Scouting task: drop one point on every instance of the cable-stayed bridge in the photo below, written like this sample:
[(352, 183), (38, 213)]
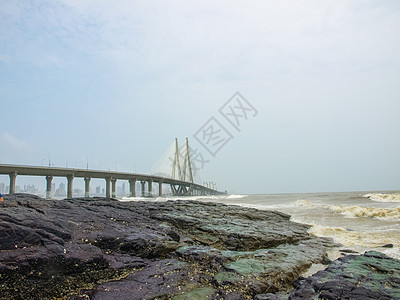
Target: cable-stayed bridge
[(181, 179)]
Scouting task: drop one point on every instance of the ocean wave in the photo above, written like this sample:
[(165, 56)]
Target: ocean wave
[(132, 199), (173, 198), (236, 196), (320, 230), (355, 238), (367, 212), (342, 236), (380, 197), (359, 241), (304, 203)]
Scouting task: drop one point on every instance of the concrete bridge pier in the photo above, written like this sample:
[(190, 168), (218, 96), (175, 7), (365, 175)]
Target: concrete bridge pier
[(181, 190), (113, 184), (160, 183), (70, 179), (108, 181), (150, 188), (143, 187), (189, 191), (49, 179), (132, 187), (13, 177), (87, 186)]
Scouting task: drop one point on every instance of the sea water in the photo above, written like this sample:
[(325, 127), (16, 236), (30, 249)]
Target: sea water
[(359, 221)]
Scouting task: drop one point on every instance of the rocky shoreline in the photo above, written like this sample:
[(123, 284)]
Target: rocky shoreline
[(97, 248)]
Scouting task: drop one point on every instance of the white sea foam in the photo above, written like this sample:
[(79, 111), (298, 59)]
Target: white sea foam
[(173, 198), (392, 252), (381, 197), (360, 241), (131, 199), (367, 212), (236, 196), (304, 203)]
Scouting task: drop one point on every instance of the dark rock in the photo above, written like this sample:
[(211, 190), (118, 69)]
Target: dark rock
[(121, 261), (158, 278), (298, 281), (106, 249), (388, 246), (348, 251), (372, 275), (270, 296)]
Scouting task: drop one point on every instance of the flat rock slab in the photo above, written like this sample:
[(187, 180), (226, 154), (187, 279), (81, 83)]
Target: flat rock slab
[(372, 275), (101, 248)]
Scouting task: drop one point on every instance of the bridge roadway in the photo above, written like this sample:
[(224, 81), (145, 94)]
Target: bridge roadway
[(178, 187)]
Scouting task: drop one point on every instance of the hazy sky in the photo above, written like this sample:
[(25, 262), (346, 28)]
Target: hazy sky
[(112, 83)]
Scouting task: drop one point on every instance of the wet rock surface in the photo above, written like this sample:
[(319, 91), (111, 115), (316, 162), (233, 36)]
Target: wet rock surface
[(372, 275), (105, 249)]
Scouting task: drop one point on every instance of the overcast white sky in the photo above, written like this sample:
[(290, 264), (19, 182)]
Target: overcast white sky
[(114, 82)]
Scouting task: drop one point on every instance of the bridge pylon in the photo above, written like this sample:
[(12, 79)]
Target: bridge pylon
[(178, 172), (176, 166), (181, 173)]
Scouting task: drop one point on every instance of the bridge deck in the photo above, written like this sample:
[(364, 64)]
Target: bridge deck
[(14, 170)]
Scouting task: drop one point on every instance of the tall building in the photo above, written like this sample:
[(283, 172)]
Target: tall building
[(78, 192), (123, 189), (62, 188)]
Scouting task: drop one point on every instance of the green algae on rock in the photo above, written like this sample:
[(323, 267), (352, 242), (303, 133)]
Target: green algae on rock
[(372, 275)]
